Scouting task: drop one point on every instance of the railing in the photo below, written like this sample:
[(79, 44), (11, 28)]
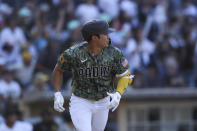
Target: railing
[(134, 94)]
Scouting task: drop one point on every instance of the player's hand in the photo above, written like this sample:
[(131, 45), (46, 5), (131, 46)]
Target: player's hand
[(58, 102), (115, 100)]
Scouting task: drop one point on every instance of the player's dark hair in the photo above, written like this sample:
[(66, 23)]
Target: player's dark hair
[(88, 37)]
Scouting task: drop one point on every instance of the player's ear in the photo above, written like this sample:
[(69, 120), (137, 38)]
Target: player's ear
[(95, 37)]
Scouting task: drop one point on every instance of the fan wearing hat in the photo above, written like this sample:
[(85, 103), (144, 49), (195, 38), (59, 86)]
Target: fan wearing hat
[(95, 65)]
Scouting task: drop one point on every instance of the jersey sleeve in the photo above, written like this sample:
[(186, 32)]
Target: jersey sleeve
[(121, 64), (65, 60)]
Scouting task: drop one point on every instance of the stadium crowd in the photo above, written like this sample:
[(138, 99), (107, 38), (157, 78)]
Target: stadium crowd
[(159, 38)]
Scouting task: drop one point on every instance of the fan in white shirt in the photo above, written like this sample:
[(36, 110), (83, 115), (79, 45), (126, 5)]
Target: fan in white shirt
[(9, 87), (87, 11), (11, 123), (139, 49)]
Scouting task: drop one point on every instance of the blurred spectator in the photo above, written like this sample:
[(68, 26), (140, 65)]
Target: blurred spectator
[(112, 7), (129, 7), (12, 31), (2, 66), (9, 87), (186, 56), (40, 40), (11, 122), (5, 9), (2, 107), (25, 70), (26, 125), (195, 64), (73, 27), (47, 58), (64, 5), (139, 50), (174, 7), (40, 84), (10, 53), (87, 11), (10, 116), (160, 14), (189, 8), (31, 49), (47, 123), (140, 81), (173, 77), (153, 79)]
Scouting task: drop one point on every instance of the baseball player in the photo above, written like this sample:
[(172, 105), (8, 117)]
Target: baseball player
[(95, 64)]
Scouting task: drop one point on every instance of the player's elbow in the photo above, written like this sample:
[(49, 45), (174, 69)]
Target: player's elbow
[(57, 73)]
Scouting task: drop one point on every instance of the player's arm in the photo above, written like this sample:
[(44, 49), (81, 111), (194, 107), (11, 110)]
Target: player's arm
[(57, 83), (57, 78), (63, 63), (125, 80)]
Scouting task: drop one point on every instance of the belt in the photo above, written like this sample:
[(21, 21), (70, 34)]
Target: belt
[(94, 99), (91, 99)]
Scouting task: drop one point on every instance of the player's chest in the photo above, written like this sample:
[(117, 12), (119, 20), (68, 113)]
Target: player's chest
[(93, 67), (86, 60)]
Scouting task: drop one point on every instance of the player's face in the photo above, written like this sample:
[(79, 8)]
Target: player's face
[(104, 40)]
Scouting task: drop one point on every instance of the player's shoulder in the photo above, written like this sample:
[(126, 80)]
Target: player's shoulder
[(114, 49), (114, 52), (75, 48), (78, 46)]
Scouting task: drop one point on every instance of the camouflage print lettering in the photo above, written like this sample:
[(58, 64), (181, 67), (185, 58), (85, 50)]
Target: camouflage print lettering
[(88, 72), (95, 72), (80, 71)]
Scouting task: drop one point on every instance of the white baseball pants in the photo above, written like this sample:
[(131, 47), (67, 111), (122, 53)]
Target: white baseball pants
[(89, 115)]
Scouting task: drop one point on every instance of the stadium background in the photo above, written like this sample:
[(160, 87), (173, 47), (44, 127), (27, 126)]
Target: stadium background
[(158, 37)]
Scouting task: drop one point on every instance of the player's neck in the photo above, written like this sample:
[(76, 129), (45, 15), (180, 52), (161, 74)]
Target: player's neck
[(93, 49)]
